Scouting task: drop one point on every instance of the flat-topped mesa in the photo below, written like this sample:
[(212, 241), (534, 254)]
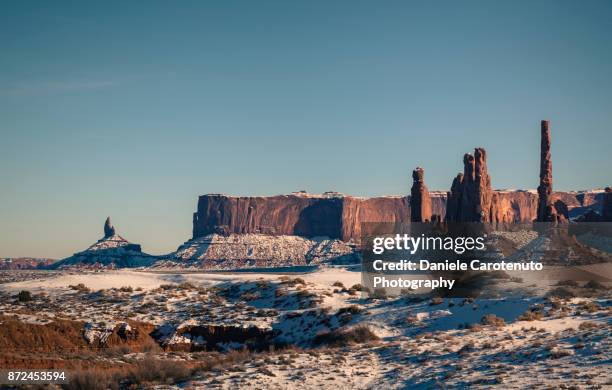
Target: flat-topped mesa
[(109, 229), (470, 197), (547, 212), (420, 201)]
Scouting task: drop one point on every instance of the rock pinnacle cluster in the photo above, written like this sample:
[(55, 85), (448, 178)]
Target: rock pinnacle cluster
[(470, 197)]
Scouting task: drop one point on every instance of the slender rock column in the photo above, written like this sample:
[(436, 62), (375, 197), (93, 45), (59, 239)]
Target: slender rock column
[(420, 201), (546, 209), (482, 186)]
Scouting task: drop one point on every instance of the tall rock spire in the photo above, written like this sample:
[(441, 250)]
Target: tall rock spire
[(420, 202), (546, 209), (109, 229), (482, 187)]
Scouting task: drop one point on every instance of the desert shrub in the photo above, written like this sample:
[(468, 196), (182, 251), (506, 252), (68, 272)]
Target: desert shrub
[(343, 338), (556, 353), (262, 284), (358, 287), (338, 284), (567, 283), (379, 293), (186, 286), (492, 319), (561, 292), (92, 379), (353, 309), (80, 288), (436, 301), (266, 371), (475, 327), (590, 307), (155, 370), (24, 296), (530, 315), (305, 294), (405, 292), (556, 304), (595, 285), (280, 292), (588, 325), (127, 289), (467, 348), (250, 296)]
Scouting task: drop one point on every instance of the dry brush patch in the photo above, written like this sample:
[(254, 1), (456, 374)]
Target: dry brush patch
[(346, 337), (26, 345)]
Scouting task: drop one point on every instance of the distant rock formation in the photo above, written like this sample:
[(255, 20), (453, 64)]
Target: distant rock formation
[(111, 251), (300, 214), (607, 205), (420, 201), (342, 217), (9, 263), (470, 197), (109, 229)]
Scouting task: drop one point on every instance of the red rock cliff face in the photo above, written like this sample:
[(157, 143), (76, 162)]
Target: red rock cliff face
[(302, 215), (275, 215), (341, 217)]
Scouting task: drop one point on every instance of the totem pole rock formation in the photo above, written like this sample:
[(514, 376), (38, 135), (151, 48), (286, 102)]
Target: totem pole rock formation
[(547, 210), (109, 229), (420, 201), (470, 197)]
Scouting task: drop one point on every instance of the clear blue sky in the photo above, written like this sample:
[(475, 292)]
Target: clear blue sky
[(133, 109)]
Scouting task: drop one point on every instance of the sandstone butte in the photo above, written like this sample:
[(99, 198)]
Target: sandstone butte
[(470, 199)]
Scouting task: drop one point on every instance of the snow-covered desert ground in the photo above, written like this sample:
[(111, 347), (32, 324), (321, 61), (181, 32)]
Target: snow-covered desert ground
[(315, 330)]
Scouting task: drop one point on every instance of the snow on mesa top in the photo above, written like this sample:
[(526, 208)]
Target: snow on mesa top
[(236, 251)]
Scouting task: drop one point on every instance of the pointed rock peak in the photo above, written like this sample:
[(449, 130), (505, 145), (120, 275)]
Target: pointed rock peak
[(109, 229), (417, 175)]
